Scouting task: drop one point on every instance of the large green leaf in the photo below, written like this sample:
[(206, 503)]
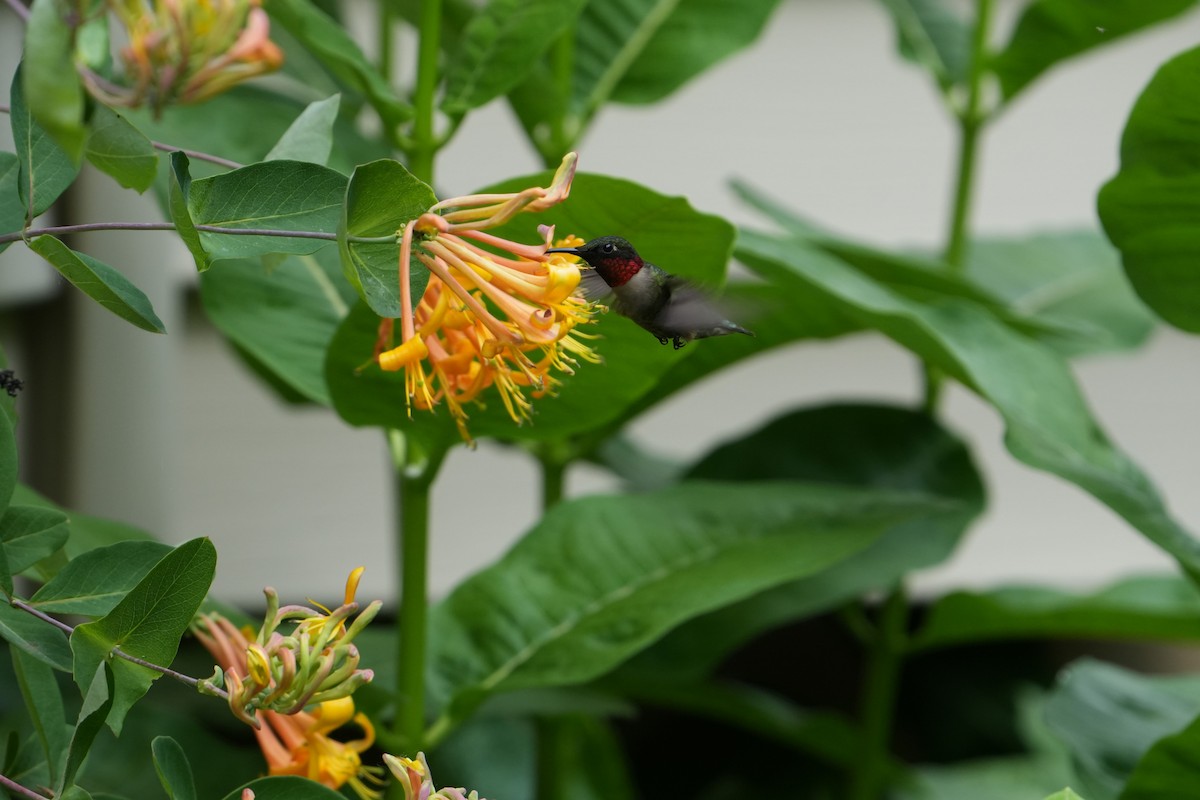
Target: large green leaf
[(39, 639), (640, 51), (849, 445), (99, 281), (117, 148), (94, 582), (52, 85), (30, 534), (45, 168), (1109, 717), (665, 229), (500, 45), (1051, 31), (1006, 778), (44, 704), (1170, 770), (1156, 608), (1071, 280), (579, 756), (651, 561), (931, 33), (147, 623), (380, 199), (272, 195), (1149, 208), (324, 38), (284, 317), (1049, 425), (310, 137)]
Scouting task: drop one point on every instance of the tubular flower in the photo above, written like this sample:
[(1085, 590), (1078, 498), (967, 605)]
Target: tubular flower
[(495, 313), (417, 782), (186, 51), (293, 686)]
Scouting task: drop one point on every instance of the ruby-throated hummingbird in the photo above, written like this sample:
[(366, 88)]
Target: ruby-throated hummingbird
[(664, 304)]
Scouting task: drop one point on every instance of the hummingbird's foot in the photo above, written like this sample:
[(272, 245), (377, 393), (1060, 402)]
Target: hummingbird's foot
[(662, 340), (678, 342)]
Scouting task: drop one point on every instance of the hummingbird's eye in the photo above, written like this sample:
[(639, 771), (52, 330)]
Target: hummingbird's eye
[(609, 247)]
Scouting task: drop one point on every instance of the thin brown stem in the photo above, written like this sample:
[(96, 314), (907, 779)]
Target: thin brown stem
[(16, 788), (197, 155), (18, 9), (167, 226)]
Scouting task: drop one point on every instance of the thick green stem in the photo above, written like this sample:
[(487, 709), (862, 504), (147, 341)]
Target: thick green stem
[(425, 142), (414, 475), (553, 478), (971, 122), (885, 660), (562, 126)]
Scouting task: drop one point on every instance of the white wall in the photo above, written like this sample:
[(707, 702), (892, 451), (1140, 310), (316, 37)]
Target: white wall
[(821, 114)]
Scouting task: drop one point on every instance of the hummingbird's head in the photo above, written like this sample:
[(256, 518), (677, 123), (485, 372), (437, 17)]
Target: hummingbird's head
[(612, 257)]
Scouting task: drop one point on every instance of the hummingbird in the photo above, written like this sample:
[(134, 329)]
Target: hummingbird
[(668, 306)]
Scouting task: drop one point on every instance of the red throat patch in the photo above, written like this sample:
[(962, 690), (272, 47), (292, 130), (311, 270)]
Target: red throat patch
[(618, 272)]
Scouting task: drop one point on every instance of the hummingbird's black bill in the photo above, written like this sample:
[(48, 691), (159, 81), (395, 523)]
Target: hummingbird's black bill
[(572, 251)]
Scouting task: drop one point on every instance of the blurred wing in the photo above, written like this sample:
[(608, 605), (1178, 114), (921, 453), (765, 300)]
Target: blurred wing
[(691, 309), (591, 286)]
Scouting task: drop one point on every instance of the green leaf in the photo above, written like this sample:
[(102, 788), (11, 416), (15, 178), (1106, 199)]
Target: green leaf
[(667, 230), (98, 701), (1170, 769), (147, 623), (30, 534), (1051, 31), (286, 787), (273, 195), (44, 704), (179, 188), (310, 137), (87, 532), (640, 51), (326, 39), (1109, 717), (8, 460), (94, 582), (1072, 281), (285, 317), (173, 768), (99, 281), (1150, 206), (1048, 422), (1065, 794), (381, 198), (12, 210), (1005, 778), (849, 445), (37, 638), (500, 45), (653, 560), (120, 150), (933, 36), (45, 168), (1156, 608), (52, 86)]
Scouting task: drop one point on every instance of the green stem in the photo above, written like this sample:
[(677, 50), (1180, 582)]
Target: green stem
[(554, 473), (885, 660), (425, 142), (971, 123), (414, 475), (562, 64)]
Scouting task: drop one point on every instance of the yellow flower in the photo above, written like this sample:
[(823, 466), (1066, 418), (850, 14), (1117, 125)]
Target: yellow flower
[(495, 313), (186, 51)]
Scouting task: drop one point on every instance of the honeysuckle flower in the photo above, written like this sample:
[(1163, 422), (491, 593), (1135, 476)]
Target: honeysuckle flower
[(186, 51), (495, 313), (415, 779), (292, 680)]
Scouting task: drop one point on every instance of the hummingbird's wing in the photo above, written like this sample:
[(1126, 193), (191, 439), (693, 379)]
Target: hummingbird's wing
[(691, 310), (591, 286)]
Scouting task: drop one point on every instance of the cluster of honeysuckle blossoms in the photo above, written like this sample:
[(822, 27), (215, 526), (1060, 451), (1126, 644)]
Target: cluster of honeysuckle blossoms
[(495, 313), (185, 51), (293, 686)]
